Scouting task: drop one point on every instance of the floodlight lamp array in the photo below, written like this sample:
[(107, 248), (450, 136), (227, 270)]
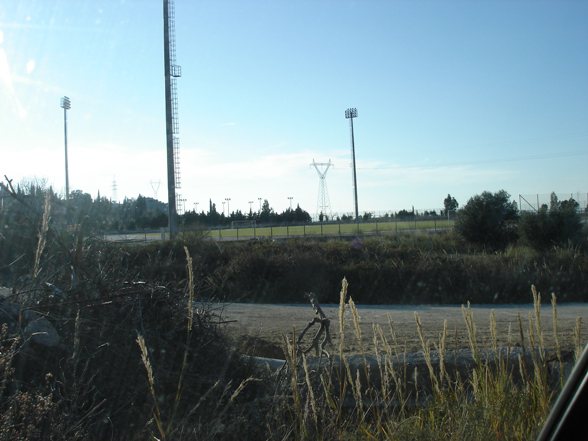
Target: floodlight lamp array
[(65, 103), (351, 113)]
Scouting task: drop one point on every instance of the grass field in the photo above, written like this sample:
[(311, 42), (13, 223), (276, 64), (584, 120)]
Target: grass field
[(331, 229), (311, 230)]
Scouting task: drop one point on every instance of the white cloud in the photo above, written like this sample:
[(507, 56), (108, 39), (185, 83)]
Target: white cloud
[(30, 66), (208, 174)]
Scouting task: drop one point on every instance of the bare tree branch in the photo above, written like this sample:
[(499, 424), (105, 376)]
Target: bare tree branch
[(323, 335)]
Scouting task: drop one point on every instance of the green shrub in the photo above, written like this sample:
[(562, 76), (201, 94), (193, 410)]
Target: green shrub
[(412, 268), (488, 219), (559, 225)]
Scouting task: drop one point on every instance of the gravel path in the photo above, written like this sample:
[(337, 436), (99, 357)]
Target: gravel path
[(269, 323)]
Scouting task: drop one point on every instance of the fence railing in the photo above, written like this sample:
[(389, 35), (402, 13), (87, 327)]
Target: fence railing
[(533, 202)]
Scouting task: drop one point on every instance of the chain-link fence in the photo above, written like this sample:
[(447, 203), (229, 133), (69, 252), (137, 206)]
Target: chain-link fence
[(369, 227), (533, 202)]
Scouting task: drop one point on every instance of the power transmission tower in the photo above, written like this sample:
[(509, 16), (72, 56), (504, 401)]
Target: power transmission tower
[(323, 205), (155, 187), (172, 71)]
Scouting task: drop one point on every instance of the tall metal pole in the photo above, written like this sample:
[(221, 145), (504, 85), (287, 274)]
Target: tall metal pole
[(66, 105), (171, 184), (350, 114), (171, 168)]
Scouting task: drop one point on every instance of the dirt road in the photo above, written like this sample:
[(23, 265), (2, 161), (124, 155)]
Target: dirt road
[(267, 324)]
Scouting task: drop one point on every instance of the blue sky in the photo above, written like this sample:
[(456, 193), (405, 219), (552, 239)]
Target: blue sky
[(453, 97)]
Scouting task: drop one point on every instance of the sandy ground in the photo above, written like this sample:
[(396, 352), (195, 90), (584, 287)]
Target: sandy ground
[(267, 324)]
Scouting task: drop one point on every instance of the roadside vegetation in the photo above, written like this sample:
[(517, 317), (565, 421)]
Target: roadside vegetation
[(491, 257), (103, 341)]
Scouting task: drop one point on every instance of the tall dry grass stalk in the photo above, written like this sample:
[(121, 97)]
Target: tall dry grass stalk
[(176, 423), (42, 235), (556, 335), (311, 398), (427, 352), (189, 325), (579, 347), (151, 382), (537, 320), (468, 316), (342, 300), (500, 397)]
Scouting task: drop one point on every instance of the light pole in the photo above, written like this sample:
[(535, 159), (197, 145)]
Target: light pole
[(259, 199), (223, 208), (228, 209), (66, 105), (290, 199), (250, 205), (196, 207), (350, 114)]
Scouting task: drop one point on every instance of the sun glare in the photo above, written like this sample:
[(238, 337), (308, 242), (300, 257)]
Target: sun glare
[(6, 81)]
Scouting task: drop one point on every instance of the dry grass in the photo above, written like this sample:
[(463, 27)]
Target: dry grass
[(505, 394), (183, 382), (176, 425), (378, 393)]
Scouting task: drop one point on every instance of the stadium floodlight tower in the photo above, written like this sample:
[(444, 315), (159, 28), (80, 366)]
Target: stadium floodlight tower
[(66, 105), (350, 114), (172, 127)]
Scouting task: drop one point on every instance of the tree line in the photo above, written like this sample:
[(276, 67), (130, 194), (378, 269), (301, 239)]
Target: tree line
[(489, 219), (142, 212), (267, 215), (103, 214)]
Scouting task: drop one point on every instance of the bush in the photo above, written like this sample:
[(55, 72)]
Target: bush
[(96, 382), (558, 225), (488, 219)]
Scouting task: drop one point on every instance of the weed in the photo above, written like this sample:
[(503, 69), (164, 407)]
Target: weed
[(503, 393)]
